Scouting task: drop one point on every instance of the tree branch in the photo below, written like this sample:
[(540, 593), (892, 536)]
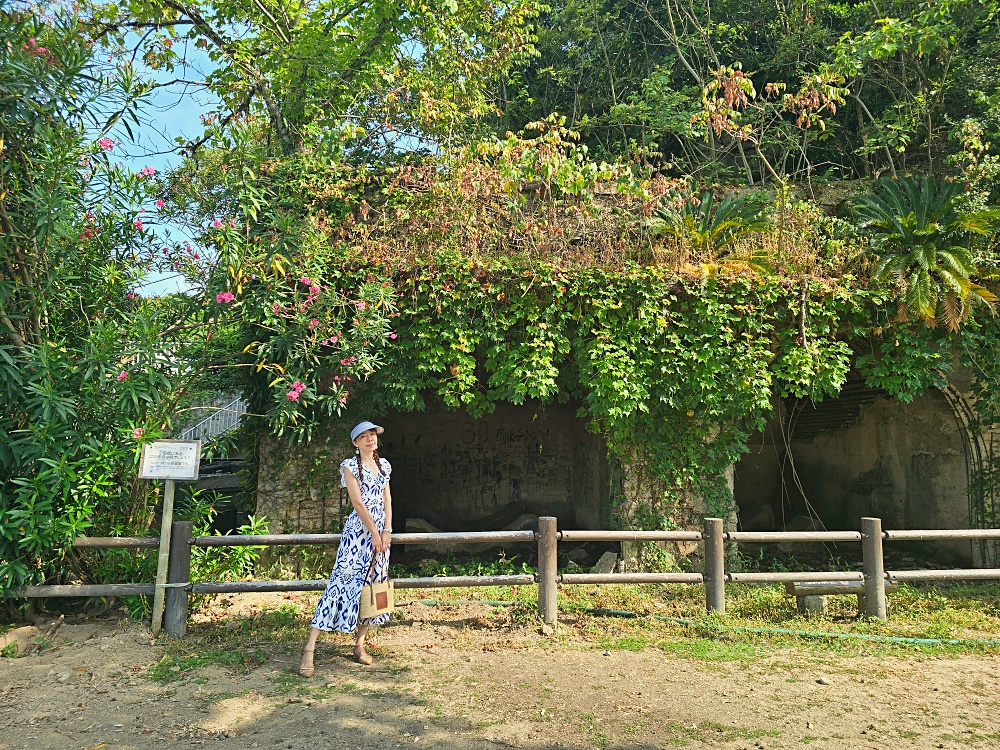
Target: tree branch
[(260, 83)]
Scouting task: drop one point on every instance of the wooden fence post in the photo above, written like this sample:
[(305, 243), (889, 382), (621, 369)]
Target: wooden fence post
[(161, 561), (715, 566), (874, 567), (547, 564), (179, 571)]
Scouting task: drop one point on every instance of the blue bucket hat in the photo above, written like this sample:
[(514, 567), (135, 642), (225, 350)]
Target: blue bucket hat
[(364, 427)]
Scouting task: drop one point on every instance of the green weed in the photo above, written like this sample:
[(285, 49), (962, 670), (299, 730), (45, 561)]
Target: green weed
[(176, 666), (707, 649), (623, 644)]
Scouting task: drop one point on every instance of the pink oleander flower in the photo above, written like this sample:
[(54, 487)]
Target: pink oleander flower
[(138, 224), (343, 399), (224, 297), (123, 375), (314, 289), (232, 224), (298, 385), (216, 223), (106, 144), (275, 308), (333, 339), (131, 295), (147, 172), (314, 323), (306, 280), (292, 395), (392, 335), (137, 433), (360, 305), (160, 203)]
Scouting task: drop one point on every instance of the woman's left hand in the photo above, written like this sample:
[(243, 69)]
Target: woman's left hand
[(386, 538)]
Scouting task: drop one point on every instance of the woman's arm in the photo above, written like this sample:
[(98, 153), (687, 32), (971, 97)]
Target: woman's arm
[(387, 502), (354, 492)]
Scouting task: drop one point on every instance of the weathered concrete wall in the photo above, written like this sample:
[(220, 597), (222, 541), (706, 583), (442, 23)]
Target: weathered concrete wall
[(453, 471), (903, 463), (458, 472)]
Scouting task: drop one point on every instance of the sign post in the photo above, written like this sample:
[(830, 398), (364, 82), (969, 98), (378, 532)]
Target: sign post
[(169, 460)]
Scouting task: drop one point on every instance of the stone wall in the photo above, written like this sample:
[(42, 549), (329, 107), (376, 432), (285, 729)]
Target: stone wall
[(453, 471)]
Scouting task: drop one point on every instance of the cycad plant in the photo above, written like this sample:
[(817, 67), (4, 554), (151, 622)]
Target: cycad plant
[(709, 229), (926, 243)]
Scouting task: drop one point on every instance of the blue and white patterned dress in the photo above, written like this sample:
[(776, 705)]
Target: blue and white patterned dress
[(338, 607)]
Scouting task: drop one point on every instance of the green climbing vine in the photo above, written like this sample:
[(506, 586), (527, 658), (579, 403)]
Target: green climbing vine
[(525, 274)]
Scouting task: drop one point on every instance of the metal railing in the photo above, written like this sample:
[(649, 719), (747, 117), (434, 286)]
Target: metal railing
[(223, 419), (714, 538)]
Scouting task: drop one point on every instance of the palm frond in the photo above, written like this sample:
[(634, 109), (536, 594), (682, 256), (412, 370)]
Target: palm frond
[(921, 238), (951, 313)]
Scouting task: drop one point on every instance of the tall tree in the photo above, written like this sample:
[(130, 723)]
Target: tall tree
[(377, 73)]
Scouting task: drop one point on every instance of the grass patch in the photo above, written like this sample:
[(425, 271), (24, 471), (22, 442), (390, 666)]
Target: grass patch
[(629, 643), (239, 643), (176, 666), (922, 612), (707, 649)]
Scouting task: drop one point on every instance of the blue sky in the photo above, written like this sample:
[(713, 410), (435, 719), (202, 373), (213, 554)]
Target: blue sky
[(167, 113)]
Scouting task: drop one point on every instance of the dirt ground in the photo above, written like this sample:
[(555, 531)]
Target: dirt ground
[(452, 678)]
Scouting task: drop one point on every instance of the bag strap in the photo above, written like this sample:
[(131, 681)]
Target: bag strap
[(370, 575)]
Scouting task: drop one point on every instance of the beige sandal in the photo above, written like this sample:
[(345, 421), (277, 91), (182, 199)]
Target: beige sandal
[(307, 671), (361, 656)]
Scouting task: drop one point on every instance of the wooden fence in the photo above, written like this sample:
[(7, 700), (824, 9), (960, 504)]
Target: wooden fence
[(713, 537)]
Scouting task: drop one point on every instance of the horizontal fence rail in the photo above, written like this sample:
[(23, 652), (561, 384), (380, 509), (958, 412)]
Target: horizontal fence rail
[(874, 579), (630, 536), (440, 537), (940, 534), (117, 542), (432, 582), (87, 589), (766, 537), (967, 574), (631, 578), (802, 576)]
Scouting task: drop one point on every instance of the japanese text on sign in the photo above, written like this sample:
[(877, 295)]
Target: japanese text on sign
[(170, 459)]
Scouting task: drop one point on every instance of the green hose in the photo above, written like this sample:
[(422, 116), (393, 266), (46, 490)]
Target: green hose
[(605, 612)]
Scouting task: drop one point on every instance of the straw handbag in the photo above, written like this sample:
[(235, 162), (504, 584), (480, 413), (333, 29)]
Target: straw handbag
[(376, 598)]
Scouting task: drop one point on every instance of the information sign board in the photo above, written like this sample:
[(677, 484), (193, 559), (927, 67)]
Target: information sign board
[(170, 459)]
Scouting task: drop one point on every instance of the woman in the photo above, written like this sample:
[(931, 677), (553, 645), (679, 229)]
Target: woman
[(366, 532)]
